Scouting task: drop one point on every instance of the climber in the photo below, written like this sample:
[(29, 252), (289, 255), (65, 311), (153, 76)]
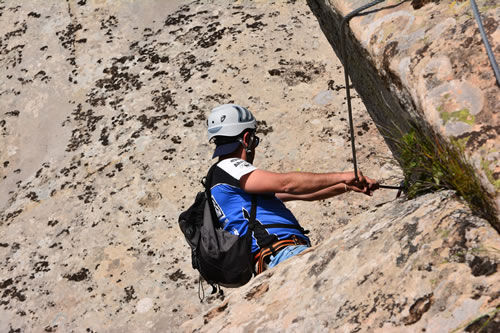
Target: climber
[(233, 130)]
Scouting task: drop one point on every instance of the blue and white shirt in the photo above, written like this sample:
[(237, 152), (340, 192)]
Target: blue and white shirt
[(232, 204)]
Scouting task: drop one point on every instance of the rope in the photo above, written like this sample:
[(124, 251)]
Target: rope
[(485, 41)]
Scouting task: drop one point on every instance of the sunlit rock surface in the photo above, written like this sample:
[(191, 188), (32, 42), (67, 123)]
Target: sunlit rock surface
[(103, 143), (425, 265), (425, 61)]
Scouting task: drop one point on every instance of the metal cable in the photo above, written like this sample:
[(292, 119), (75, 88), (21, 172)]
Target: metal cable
[(345, 22), (485, 41)]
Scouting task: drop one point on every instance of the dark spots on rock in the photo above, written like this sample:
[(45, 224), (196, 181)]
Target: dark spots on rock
[(421, 51), (44, 48), (467, 42), (32, 196), (64, 231), (213, 35), (86, 123), (189, 123), (390, 51), (477, 139), (4, 244), (67, 36), (14, 330), (185, 69), (81, 275), (88, 195), (81, 41), (177, 275), (178, 18), (149, 122), (10, 292), (159, 73), (274, 72), (417, 4), (263, 128), (482, 266), (42, 75), (257, 291), (258, 25), (41, 266), (118, 79), (295, 72), (108, 24), (129, 294), (33, 14), (320, 266), (4, 284), (169, 151), (176, 139), (364, 128), (18, 32), (119, 166), (490, 25), (215, 312), (104, 136), (203, 65), (417, 310), (409, 232), (346, 309), (82, 2), (427, 267), (162, 100), (13, 113)]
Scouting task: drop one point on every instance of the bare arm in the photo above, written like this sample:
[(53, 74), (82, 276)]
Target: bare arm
[(318, 195), (260, 181), (305, 185)]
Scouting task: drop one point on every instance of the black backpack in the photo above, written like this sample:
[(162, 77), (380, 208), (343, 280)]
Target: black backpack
[(223, 259)]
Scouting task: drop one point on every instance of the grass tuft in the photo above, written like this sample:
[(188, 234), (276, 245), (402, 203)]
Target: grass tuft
[(431, 163)]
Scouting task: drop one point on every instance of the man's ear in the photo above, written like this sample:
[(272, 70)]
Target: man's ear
[(246, 138)]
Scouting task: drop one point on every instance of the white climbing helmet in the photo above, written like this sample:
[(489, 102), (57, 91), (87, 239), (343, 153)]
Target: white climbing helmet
[(229, 120)]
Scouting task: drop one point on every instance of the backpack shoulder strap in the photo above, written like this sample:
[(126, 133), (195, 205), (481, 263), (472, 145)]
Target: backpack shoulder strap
[(207, 182), (253, 213)]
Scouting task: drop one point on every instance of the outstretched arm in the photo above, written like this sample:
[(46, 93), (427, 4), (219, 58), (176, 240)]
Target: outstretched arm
[(304, 185)]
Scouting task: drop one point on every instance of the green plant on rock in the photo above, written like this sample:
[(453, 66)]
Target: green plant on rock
[(431, 163), (485, 165), (460, 115)]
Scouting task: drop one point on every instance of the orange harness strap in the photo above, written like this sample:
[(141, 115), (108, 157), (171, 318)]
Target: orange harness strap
[(266, 252)]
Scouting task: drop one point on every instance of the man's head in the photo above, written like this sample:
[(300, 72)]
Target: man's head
[(229, 126)]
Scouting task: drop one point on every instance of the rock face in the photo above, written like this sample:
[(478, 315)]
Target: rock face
[(424, 61), (425, 265), (103, 144)]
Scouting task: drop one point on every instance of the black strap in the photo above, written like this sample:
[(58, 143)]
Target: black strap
[(207, 182), (253, 214)]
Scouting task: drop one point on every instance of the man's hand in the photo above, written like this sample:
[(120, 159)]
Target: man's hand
[(363, 185)]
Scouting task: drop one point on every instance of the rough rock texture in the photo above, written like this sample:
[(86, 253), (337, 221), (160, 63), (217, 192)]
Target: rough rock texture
[(425, 265), (425, 61), (103, 141)]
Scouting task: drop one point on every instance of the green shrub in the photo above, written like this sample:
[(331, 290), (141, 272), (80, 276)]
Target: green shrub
[(431, 163)]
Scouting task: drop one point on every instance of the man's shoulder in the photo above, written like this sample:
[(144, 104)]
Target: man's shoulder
[(236, 167)]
